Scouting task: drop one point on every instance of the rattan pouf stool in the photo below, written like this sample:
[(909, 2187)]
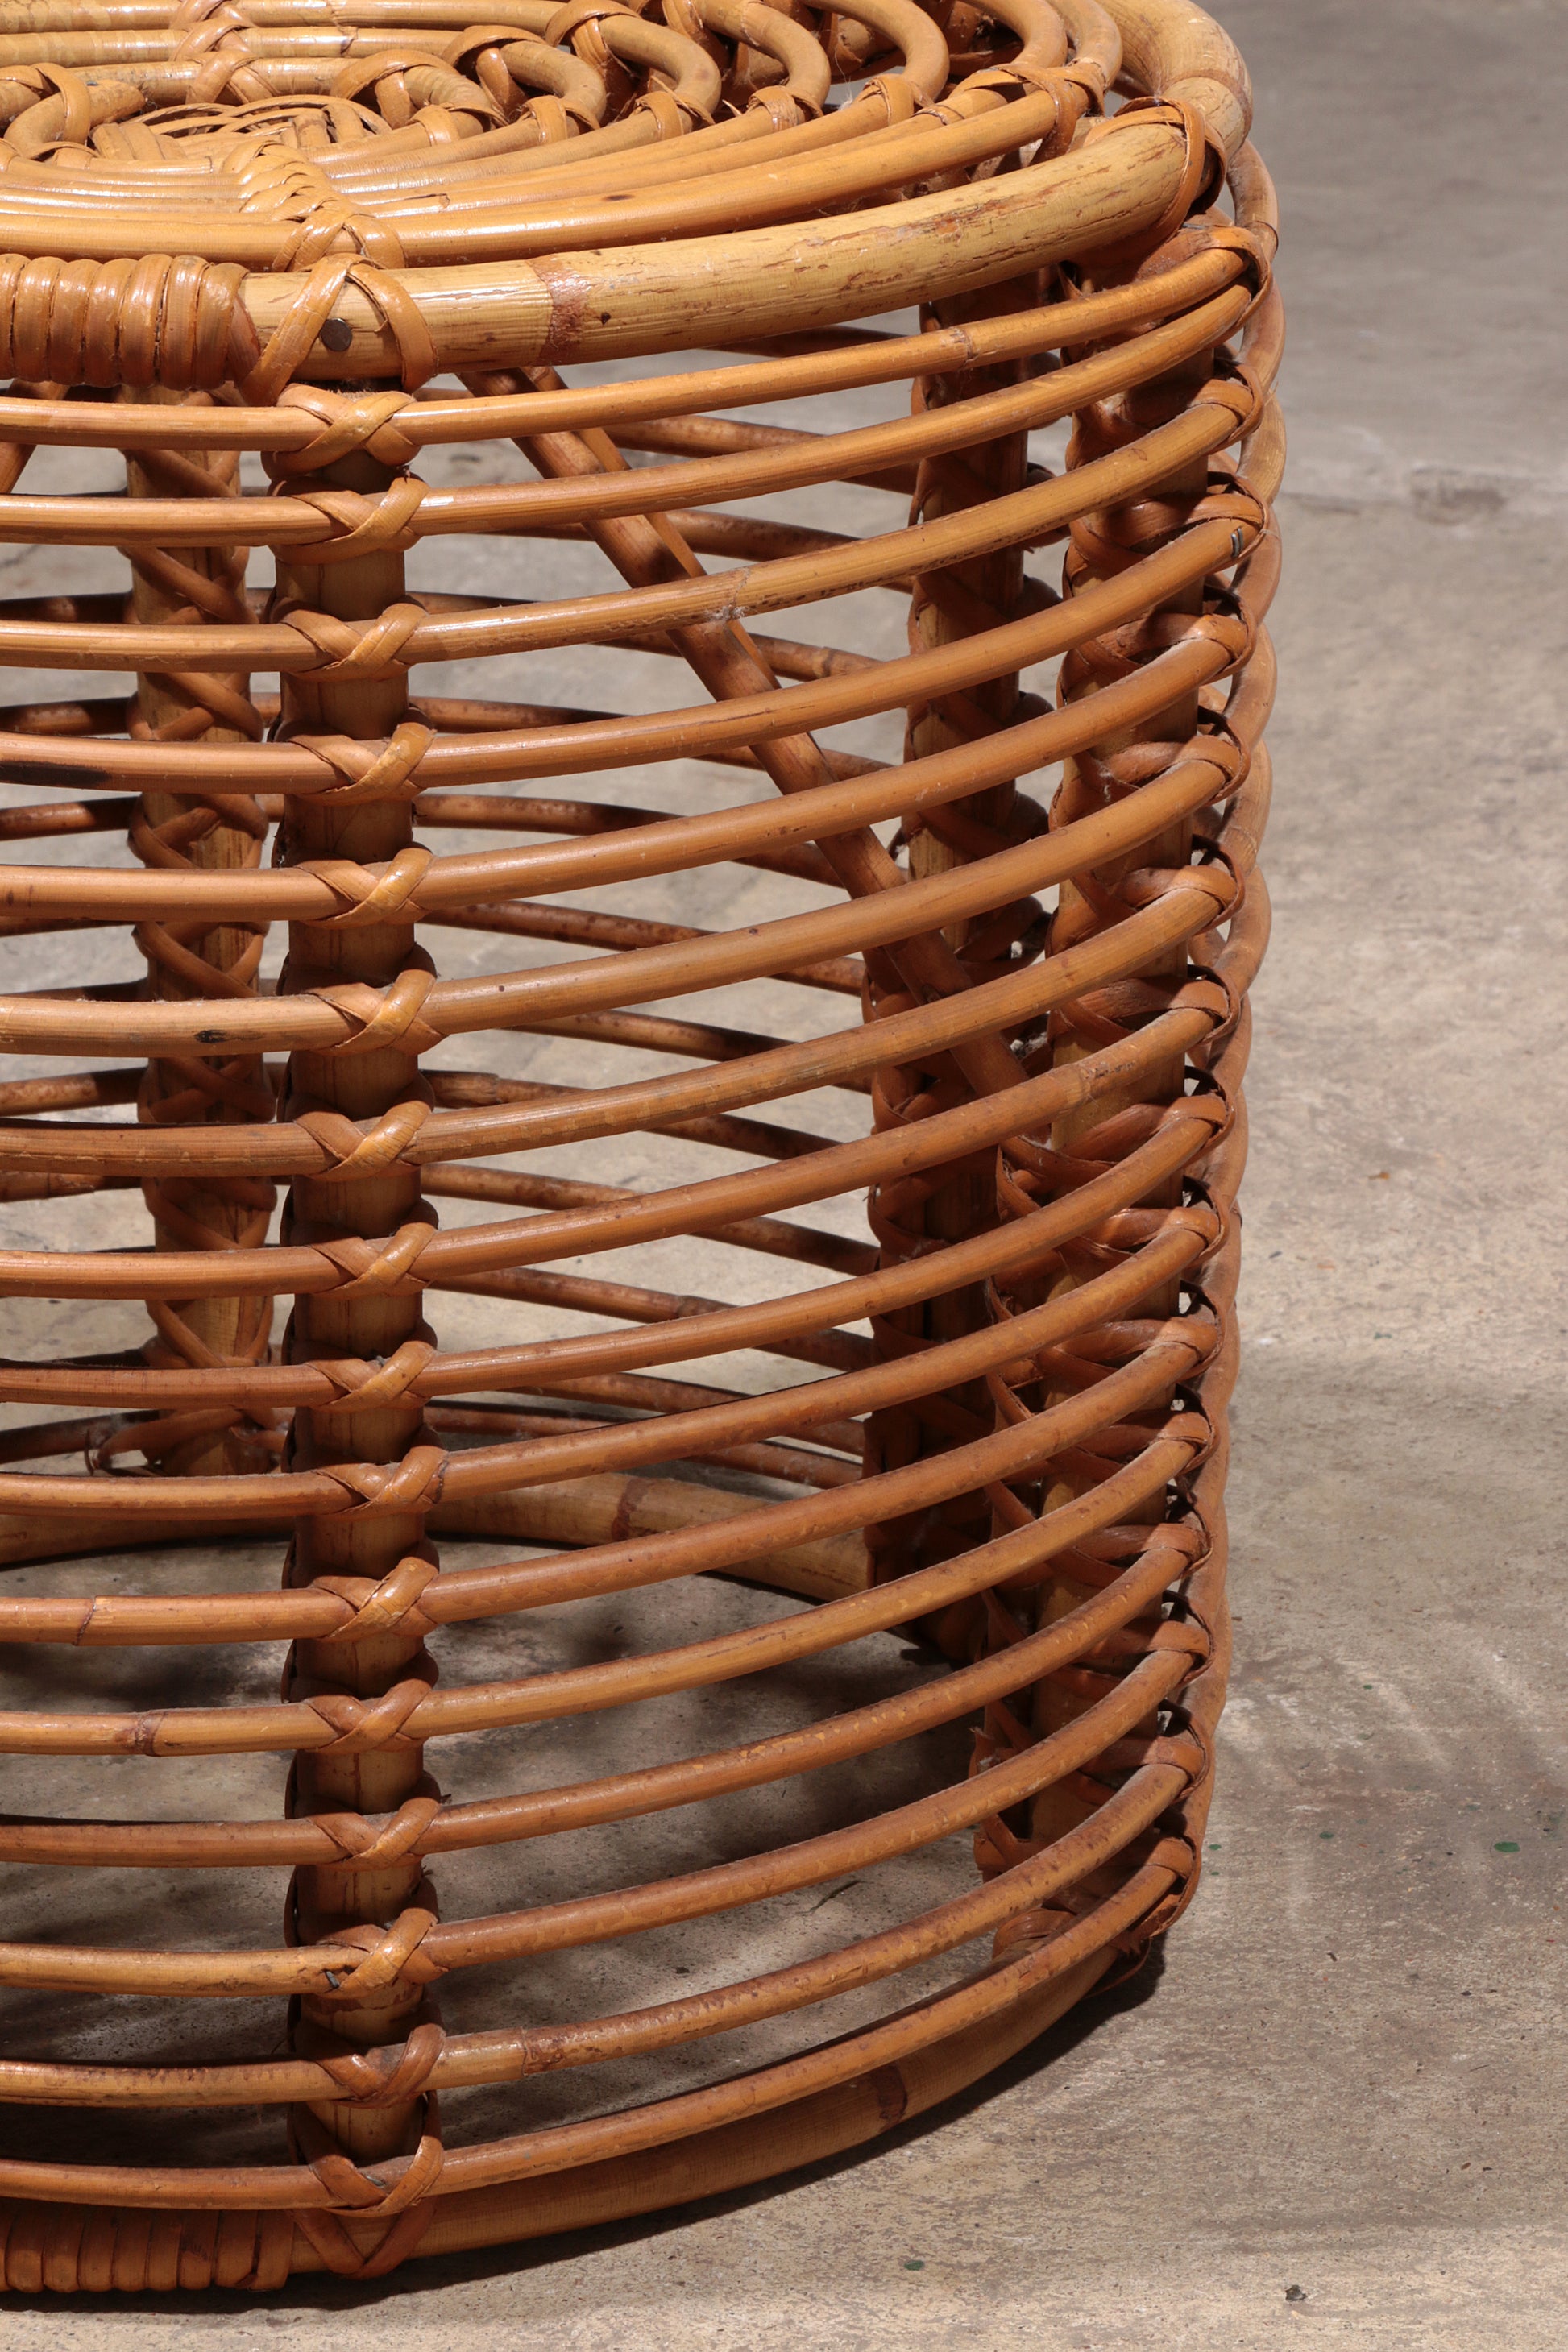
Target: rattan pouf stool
[(822, 1423)]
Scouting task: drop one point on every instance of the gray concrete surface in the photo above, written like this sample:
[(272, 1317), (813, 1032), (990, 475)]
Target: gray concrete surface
[(1335, 2113)]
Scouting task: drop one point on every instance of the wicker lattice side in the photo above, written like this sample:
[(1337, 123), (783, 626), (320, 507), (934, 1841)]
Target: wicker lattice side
[(600, 276)]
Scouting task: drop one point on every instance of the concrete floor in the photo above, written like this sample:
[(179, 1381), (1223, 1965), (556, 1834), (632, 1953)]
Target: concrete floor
[(1335, 2113)]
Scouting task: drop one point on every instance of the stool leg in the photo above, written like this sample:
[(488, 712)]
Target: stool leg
[(950, 1203), (193, 959), (328, 1899), (1142, 528)]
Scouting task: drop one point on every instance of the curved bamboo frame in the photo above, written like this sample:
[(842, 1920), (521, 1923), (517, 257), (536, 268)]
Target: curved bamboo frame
[(1023, 1462)]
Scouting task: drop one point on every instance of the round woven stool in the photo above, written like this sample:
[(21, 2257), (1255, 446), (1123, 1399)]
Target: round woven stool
[(804, 1323)]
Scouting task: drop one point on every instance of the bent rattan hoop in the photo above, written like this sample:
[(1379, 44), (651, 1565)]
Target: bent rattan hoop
[(276, 260)]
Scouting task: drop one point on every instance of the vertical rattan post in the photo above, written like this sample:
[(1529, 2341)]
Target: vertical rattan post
[(1104, 544), (952, 1203), (364, 1321), (223, 832)]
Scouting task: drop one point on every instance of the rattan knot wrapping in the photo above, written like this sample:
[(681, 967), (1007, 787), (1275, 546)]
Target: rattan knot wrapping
[(826, 1428)]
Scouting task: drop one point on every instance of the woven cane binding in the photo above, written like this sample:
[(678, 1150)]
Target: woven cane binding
[(338, 290)]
